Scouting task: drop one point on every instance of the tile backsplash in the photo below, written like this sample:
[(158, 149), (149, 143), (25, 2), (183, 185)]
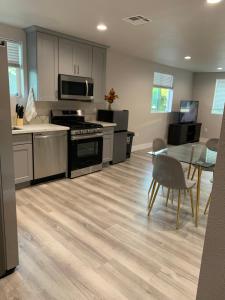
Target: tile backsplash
[(44, 108)]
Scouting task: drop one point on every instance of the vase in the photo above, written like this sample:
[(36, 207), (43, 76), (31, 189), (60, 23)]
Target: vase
[(109, 106)]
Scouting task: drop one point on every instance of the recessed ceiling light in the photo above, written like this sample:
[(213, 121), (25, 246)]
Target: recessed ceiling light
[(102, 27), (187, 57), (214, 1), (219, 68)]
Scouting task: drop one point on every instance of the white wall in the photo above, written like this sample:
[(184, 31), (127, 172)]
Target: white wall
[(203, 91), (132, 78)]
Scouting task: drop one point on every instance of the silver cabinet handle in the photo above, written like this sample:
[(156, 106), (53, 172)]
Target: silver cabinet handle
[(75, 69)]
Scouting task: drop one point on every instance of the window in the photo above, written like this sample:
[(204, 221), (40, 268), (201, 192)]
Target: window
[(14, 68), (219, 97), (162, 93)]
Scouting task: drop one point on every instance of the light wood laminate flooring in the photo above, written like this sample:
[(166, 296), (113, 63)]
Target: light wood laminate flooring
[(90, 238)]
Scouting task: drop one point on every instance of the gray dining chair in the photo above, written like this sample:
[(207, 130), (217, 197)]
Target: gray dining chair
[(168, 172), (211, 144), (157, 145)]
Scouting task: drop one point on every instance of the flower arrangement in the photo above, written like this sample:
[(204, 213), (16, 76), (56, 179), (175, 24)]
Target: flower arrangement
[(111, 97)]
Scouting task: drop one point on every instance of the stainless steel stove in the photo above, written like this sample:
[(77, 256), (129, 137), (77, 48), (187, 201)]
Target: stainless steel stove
[(85, 142)]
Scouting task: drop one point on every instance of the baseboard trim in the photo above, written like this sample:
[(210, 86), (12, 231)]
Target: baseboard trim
[(141, 147)]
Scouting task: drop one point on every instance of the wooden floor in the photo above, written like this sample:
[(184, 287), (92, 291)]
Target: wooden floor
[(90, 238)]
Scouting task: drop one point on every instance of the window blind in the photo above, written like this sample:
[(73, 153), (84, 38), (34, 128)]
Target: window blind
[(163, 80), (219, 97), (13, 51)]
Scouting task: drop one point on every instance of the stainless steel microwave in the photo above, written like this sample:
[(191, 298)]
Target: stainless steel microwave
[(75, 88)]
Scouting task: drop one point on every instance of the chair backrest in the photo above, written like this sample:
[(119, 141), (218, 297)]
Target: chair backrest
[(168, 172), (212, 144), (158, 144)]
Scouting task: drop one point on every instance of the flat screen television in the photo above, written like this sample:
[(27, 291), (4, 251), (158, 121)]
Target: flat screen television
[(188, 111)]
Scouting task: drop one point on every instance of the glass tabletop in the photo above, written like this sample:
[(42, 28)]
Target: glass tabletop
[(198, 154)]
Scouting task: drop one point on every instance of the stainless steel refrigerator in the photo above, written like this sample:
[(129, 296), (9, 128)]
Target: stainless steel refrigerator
[(120, 117), (8, 221)]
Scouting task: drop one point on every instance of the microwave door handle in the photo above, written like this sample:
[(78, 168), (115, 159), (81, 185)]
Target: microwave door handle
[(86, 87)]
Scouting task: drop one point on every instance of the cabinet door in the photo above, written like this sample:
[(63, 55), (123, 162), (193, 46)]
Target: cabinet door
[(23, 163), (99, 73), (82, 59), (47, 66), (108, 145), (66, 61)]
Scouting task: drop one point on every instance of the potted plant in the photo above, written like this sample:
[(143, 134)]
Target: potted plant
[(111, 97)]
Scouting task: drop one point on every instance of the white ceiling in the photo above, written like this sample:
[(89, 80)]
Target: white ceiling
[(178, 27)]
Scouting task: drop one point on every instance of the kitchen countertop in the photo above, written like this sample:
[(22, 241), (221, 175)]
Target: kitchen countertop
[(105, 124), (38, 128)]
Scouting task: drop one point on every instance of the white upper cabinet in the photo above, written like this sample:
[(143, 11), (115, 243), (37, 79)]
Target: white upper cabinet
[(47, 67), (99, 73), (66, 65), (75, 58), (51, 53), (42, 52), (83, 59)]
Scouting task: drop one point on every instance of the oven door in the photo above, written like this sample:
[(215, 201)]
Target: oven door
[(75, 88), (85, 151)]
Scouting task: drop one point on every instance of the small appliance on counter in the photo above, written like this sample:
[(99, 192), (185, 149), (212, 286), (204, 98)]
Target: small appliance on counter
[(85, 142), (120, 117)]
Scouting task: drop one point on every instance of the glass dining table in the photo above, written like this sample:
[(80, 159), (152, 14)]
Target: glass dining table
[(196, 155)]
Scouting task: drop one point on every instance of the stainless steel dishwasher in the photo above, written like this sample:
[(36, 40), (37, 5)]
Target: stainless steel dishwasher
[(50, 154)]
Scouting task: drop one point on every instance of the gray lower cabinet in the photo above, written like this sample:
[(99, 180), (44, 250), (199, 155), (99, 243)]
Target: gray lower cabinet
[(23, 158), (108, 144)]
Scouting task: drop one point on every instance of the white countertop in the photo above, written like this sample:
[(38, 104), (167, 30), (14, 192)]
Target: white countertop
[(39, 128), (105, 124)]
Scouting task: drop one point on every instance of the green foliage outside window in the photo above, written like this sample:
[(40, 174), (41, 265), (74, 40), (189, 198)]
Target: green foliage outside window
[(161, 100)]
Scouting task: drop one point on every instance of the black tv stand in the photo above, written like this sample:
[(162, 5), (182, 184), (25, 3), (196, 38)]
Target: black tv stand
[(184, 133)]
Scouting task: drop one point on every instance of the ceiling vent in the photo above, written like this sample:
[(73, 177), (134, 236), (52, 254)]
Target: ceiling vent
[(137, 20)]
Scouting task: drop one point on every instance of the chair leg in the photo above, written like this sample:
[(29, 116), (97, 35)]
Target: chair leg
[(189, 171), (153, 200), (192, 203), (178, 209), (152, 193), (150, 187), (208, 203), (172, 197), (168, 195), (193, 175)]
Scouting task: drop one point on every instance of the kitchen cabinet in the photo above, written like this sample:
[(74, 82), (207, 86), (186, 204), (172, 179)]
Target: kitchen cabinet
[(42, 51), (51, 53), (108, 136), (23, 158), (75, 58), (99, 73)]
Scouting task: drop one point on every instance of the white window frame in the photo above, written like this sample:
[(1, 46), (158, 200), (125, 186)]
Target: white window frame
[(213, 110), (162, 85), (19, 70)]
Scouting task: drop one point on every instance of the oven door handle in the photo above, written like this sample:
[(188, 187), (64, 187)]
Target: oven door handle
[(86, 88), (83, 137)]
